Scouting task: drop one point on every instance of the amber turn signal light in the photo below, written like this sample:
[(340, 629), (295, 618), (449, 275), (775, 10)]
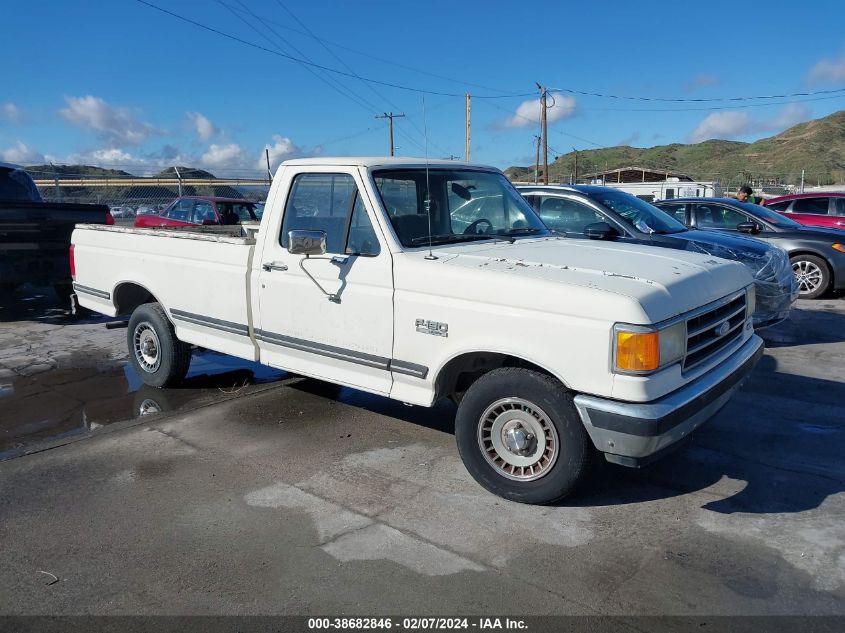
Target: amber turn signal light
[(637, 351)]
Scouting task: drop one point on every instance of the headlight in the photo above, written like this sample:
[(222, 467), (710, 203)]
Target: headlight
[(642, 349), (750, 301)]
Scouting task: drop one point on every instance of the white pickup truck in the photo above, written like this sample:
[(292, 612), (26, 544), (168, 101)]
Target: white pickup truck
[(420, 280)]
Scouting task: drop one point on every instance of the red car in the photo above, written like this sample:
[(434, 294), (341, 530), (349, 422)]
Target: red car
[(812, 209), (201, 210)]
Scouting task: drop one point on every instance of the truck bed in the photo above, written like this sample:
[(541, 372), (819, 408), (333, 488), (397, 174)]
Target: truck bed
[(243, 234), (205, 278), (35, 238)]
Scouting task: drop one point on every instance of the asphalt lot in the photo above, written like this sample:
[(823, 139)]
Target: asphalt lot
[(257, 493)]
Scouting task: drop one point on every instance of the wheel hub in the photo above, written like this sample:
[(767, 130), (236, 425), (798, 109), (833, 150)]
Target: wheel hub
[(146, 347), (808, 275), (518, 439)]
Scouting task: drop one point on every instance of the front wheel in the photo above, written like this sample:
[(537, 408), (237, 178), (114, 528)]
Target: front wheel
[(812, 274), (160, 359), (520, 437)]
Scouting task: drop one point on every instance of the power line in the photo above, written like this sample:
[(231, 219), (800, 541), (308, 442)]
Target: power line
[(713, 108), (320, 66), (525, 118), (507, 93), (350, 69), (700, 100)]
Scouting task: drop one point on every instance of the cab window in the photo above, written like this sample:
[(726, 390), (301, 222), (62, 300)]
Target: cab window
[(677, 211), (566, 215), (203, 212), (330, 203), (716, 217)]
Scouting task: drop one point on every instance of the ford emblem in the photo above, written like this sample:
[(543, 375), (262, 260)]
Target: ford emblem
[(723, 329)]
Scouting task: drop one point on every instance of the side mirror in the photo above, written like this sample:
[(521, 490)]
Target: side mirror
[(600, 231), (304, 242), (749, 227)]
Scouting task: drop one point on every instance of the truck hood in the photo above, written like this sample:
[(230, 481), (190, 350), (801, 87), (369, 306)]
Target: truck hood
[(666, 282)]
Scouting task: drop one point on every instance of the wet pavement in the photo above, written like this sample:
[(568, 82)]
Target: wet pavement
[(62, 376), (306, 498)]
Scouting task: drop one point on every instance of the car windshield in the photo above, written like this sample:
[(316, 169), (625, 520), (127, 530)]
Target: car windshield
[(463, 205), (772, 217), (643, 216)]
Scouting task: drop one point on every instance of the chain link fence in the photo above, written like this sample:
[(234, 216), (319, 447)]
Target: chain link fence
[(128, 196)]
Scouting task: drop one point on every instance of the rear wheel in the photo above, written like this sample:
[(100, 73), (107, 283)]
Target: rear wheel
[(812, 274), (160, 359), (520, 437)]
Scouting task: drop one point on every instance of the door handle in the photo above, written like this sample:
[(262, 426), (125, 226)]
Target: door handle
[(339, 260), (271, 266)]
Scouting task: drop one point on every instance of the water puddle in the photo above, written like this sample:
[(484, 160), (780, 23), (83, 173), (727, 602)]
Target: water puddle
[(64, 402)]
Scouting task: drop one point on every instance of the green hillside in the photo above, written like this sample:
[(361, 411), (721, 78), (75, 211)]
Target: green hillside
[(817, 146)]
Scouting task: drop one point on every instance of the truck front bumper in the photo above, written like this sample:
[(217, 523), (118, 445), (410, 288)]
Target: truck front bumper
[(633, 434)]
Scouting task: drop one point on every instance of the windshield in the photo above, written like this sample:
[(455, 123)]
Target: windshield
[(638, 213), (772, 217), (463, 205)]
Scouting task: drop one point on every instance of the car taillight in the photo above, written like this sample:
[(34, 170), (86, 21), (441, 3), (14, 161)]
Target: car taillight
[(72, 264), (109, 218)]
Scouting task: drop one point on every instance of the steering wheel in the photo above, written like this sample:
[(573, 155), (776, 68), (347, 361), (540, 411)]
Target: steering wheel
[(473, 228)]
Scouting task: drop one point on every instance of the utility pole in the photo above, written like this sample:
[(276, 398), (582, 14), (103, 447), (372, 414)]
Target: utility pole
[(802, 181), (179, 176), (389, 116), (267, 156), (537, 158), (544, 132), (467, 134), (576, 166)]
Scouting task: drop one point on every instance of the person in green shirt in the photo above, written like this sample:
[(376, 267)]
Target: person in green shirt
[(746, 194)]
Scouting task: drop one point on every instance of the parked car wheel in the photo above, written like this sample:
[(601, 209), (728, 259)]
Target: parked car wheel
[(520, 437), (160, 359), (813, 275)]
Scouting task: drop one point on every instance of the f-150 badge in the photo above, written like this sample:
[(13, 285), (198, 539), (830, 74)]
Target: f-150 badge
[(435, 328)]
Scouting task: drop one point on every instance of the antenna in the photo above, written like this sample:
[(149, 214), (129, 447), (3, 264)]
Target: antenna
[(427, 183)]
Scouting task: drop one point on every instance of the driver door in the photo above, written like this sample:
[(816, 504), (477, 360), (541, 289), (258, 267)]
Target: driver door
[(347, 338)]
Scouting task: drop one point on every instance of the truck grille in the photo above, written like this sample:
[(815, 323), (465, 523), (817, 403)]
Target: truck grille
[(707, 334)]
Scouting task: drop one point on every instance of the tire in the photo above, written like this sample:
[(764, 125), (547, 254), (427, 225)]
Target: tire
[(160, 359), (813, 275), (506, 399)]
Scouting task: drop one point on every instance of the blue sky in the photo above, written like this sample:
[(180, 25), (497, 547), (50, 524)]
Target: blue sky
[(121, 84)]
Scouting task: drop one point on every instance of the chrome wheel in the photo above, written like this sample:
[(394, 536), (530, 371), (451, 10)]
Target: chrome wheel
[(808, 275), (147, 347), (518, 439)]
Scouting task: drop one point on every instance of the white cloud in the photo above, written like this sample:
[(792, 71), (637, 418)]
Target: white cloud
[(721, 125), (789, 116), (204, 127), (282, 148), (731, 124), (22, 155), (12, 112), (115, 125), (828, 71), (559, 106), (142, 164), (223, 156)]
